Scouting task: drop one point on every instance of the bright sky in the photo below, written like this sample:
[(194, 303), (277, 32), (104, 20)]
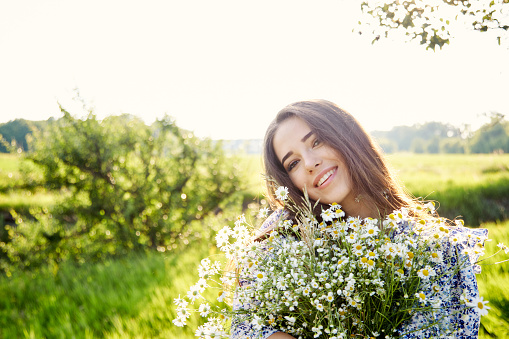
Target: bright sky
[(224, 68)]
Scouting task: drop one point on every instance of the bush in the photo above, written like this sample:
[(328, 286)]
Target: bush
[(129, 186)]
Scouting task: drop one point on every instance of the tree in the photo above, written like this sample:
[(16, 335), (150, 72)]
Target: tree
[(126, 186), (430, 20), (452, 145), (491, 137), (419, 138), (13, 133)]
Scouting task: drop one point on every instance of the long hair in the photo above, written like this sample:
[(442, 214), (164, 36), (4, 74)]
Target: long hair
[(371, 178)]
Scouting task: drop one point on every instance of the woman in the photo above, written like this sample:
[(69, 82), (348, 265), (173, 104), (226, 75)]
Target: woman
[(317, 147)]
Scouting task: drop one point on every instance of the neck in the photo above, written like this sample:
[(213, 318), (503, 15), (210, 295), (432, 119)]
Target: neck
[(359, 207)]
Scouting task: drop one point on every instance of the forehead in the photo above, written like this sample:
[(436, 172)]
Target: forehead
[(289, 135)]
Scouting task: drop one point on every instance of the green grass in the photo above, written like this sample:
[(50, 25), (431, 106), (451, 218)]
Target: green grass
[(16, 192), (126, 298), (9, 163), (494, 284), (24, 199), (474, 187)]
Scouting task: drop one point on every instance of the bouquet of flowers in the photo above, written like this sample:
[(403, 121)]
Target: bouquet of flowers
[(339, 277)]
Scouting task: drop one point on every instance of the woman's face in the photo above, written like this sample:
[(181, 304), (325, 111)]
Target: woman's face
[(312, 164)]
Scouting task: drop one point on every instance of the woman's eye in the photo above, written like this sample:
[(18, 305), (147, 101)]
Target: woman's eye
[(292, 165), (316, 142)]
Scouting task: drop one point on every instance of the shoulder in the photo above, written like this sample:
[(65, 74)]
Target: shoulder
[(271, 223)]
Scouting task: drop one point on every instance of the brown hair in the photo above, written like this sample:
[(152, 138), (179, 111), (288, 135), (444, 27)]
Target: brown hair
[(370, 175)]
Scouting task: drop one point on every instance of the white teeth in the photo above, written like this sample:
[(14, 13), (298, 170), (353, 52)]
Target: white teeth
[(325, 177)]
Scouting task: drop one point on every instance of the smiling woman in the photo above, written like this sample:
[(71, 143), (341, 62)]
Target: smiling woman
[(318, 147)]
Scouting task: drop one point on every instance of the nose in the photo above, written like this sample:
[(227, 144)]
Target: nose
[(311, 163)]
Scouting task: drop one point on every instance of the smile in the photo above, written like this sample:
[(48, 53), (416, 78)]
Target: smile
[(325, 177)]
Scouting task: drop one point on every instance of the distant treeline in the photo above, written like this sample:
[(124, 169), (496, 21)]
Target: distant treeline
[(437, 137), (431, 137), (14, 133)]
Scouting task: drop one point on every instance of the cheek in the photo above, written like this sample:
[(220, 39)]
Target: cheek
[(298, 180)]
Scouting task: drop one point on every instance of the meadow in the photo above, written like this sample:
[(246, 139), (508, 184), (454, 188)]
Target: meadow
[(133, 296)]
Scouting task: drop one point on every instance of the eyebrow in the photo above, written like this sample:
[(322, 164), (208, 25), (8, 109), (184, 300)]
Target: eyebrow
[(304, 138)]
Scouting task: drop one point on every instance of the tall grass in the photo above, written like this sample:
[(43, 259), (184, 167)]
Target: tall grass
[(126, 298), (494, 284), (474, 187)]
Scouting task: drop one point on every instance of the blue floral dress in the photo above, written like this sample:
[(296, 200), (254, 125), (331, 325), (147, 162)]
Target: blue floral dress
[(454, 320)]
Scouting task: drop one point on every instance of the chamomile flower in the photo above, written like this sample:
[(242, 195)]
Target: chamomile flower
[(358, 249), (180, 302), (430, 206), (335, 206), (282, 193), (201, 332), (372, 255), (263, 212), (503, 247), (368, 264), (351, 238), (204, 310), (241, 219), (223, 236), (421, 297), (306, 291), (426, 273), (328, 215), (371, 230), (436, 256), (479, 305), (221, 296), (257, 322), (193, 293), (400, 273), (202, 285), (261, 276)]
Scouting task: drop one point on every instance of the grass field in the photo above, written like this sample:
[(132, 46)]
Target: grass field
[(133, 296)]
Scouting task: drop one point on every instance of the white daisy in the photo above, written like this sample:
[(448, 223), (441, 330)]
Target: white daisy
[(479, 305), (282, 193)]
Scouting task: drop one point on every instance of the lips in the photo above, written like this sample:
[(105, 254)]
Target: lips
[(324, 175)]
